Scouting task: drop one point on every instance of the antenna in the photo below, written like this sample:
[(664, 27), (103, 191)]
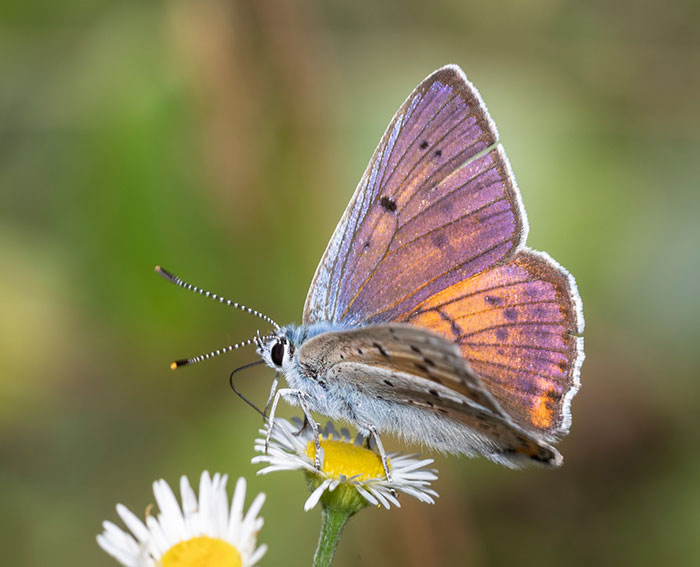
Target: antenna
[(212, 354), (180, 283)]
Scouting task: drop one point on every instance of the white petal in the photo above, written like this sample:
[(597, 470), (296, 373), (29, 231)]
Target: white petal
[(119, 553), (312, 500), (366, 495), (254, 508), (416, 465), (238, 500), (221, 508), (233, 531), (419, 494), (119, 538), (172, 522), (189, 498), (205, 489), (390, 497), (379, 496), (136, 526), (256, 556), (158, 543)]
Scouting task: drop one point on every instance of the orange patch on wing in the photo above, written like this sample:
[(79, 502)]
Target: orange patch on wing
[(514, 325), (435, 322), (542, 412), (449, 294)]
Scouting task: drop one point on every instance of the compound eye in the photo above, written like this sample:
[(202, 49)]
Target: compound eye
[(277, 354)]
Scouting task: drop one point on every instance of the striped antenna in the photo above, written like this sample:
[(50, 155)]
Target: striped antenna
[(212, 354), (178, 282)]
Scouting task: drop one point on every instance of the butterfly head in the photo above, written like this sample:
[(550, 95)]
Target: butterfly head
[(277, 349)]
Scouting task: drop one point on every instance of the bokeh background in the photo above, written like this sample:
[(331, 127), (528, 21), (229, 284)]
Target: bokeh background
[(222, 140)]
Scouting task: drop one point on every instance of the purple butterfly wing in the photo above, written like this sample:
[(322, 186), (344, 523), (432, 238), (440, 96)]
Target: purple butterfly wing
[(437, 204)]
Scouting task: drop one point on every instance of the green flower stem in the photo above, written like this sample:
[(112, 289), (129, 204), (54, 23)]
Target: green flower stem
[(333, 521), (336, 508)]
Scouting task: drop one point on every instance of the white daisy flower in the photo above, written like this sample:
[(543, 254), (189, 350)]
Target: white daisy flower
[(345, 463), (199, 532)]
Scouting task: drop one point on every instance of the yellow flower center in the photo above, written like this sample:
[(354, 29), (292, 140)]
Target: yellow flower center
[(202, 551), (342, 458)]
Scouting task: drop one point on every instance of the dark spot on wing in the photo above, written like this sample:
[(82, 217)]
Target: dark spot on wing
[(562, 365), (429, 404), (510, 314), (453, 324), (434, 392), (493, 300), (380, 349), (342, 356), (501, 334), (388, 204), (424, 144), (367, 244), (541, 458), (422, 367), (438, 153), (441, 410), (439, 240), (531, 386), (360, 351), (389, 383), (415, 349)]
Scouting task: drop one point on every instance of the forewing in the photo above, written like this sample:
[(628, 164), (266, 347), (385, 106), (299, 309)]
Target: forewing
[(519, 327), (426, 356), (432, 209)]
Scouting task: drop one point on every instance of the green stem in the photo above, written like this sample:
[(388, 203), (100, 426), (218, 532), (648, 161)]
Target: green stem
[(333, 521)]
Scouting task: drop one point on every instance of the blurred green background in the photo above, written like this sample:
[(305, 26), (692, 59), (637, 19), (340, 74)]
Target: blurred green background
[(223, 140)]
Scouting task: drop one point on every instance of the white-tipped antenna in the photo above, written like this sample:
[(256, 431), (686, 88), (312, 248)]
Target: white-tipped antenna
[(178, 282), (212, 354)]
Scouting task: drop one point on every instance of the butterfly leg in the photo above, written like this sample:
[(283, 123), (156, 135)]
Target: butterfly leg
[(301, 428), (273, 410), (308, 418), (272, 394), (301, 397), (382, 453)]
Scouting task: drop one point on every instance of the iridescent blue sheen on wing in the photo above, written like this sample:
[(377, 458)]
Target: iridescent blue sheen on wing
[(433, 208)]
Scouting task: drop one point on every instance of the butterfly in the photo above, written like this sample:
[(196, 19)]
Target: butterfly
[(428, 318)]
